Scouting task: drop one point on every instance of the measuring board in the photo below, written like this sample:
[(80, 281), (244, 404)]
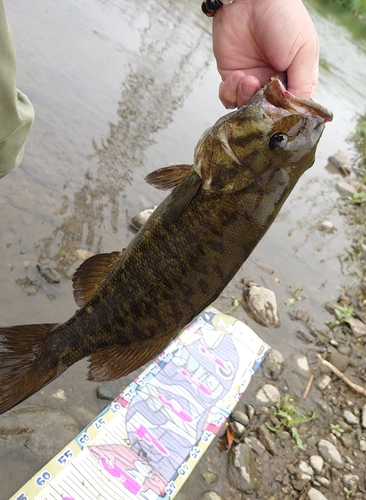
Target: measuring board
[(145, 444)]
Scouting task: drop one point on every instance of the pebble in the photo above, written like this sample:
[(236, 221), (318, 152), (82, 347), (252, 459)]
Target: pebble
[(350, 480), (262, 304), (274, 364), (317, 463), (323, 481), (139, 220), (363, 445), (348, 440), (314, 494), (104, 393), (255, 445), (301, 365), (209, 477), (82, 254), (340, 361), (330, 453), (249, 409), (323, 405), (350, 418), (326, 226), (363, 423), (59, 394), (265, 437), (241, 470), (211, 495), (268, 394), (345, 189), (323, 381), (237, 428), (49, 274), (240, 417), (305, 468), (358, 327)]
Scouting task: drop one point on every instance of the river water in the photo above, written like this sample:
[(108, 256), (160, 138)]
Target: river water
[(120, 89)]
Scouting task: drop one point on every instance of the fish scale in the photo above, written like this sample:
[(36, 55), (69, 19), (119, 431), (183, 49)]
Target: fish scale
[(133, 303)]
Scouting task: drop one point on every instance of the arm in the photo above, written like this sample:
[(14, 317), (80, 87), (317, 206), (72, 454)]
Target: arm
[(16, 111)]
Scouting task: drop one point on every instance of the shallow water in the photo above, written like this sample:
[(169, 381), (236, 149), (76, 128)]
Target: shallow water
[(122, 88)]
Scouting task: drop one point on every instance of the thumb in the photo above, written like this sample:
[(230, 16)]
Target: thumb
[(302, 74)]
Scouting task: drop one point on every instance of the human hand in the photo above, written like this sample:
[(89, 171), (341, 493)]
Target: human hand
[(255, 39)]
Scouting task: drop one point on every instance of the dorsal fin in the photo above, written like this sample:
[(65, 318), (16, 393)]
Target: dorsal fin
[(117, 360), (168, 177), (91, 274)]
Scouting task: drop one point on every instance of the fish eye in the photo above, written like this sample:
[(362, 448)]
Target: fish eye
[(278, 141)]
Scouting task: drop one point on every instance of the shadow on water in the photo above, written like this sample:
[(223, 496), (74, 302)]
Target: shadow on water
[(145, 106)]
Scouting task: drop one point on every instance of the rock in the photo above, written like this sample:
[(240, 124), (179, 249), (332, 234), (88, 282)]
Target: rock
[(139, 220), (59, 394), (265, 437), (345, 189), (348, 440), (240, 417), (350, 480), (323, 481), (241, 469), (363, 445), (249, 409), (350, 418), (330, 453), (82, 254), (265, 268), (314, 494), (340, 361), (326, 226), (299, 484), (261, 304), (49, 274), (340, 163), (305, 468), (358, 327), (274, 364), (268, 394), (301, 365), (323, 381), (255, 445), (211, 495), (323, 405), (237, 429), (316, 463), (104, 393), (363, 423), (209, 477)]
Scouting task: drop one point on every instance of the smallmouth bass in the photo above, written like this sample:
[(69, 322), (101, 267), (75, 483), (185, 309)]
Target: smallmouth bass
[(133, 303)]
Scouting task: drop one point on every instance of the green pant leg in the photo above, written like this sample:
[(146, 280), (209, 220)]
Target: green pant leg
[(16, 111)]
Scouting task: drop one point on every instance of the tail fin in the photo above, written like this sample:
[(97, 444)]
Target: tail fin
[(25, 367)]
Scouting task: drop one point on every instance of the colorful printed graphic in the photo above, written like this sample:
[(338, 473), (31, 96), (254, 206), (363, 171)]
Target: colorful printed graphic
[(147, 442)]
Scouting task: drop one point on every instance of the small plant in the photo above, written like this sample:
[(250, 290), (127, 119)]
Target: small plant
[(342, 316), (296, 296), (289, 417), (351, 492), (357, 198), (336, 429)]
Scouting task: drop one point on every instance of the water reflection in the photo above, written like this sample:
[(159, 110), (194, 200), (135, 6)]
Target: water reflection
[(151, 93)]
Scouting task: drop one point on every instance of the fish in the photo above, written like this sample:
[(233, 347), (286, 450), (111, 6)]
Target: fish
[(134, 302)]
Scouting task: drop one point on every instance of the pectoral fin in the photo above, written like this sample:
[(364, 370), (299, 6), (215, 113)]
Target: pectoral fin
[(117, 360), (91, 274), (180, 198), (168, 177)]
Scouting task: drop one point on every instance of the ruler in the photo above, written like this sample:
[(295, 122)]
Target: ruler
[(145, 444)]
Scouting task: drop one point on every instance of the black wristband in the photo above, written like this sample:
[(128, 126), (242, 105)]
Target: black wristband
[(209, 7)]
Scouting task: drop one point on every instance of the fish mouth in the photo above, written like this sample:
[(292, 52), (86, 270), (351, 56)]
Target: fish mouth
[(278, 96)]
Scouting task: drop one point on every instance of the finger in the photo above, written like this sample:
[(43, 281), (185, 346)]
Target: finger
[(228, 89), (238, 89), (302, 75)]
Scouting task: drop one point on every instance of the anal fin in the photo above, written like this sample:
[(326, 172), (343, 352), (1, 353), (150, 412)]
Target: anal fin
[(117, 361)]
